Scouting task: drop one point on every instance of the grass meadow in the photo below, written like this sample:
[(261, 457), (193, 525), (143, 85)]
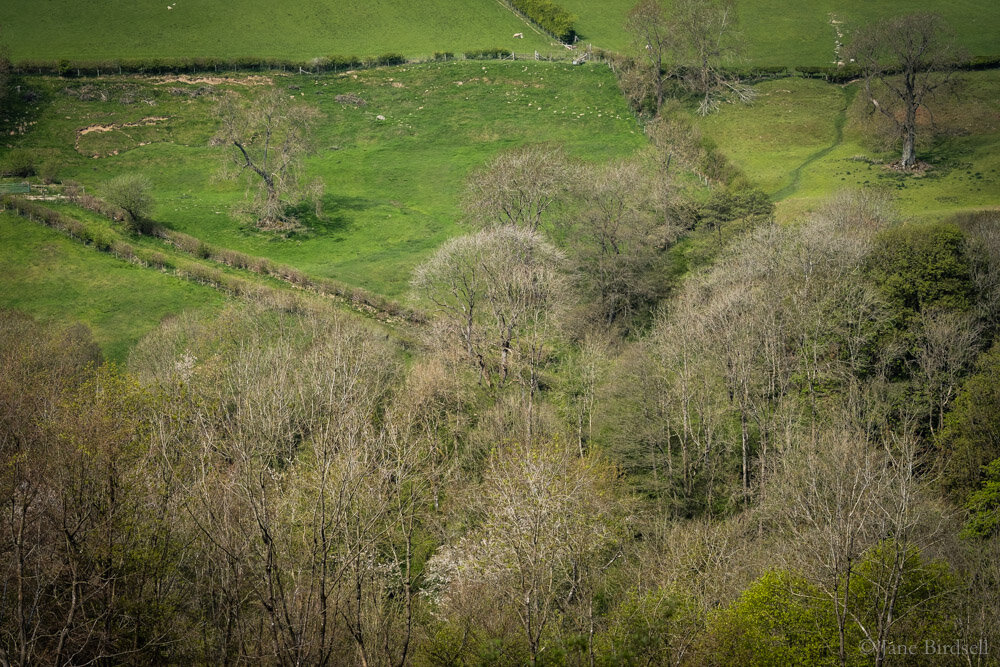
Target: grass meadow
[(55, 29), (57, 279), (803, 139), (395, 166), (775, 32), (778, 32), (393, 186)]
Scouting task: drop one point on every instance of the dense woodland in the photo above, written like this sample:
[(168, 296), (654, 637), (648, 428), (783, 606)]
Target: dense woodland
[(641, 422), (793, 460)]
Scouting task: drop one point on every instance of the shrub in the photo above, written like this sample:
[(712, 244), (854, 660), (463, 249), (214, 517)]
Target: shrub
[(204, 274), (123, 250), (156, 260), (19, 163), (49, 172), (131, 193), (496, 53), (444, 55), (387, 59)]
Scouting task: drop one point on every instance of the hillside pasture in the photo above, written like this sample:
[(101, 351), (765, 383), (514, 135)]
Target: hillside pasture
[(56, 29), (393, 185), (57, 279), (801, 140), (778, 32)]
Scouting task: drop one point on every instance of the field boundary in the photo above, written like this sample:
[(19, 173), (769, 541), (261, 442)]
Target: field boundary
[(196, 269)]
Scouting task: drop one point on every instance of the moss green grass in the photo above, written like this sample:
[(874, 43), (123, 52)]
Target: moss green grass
[(57, 279), (801, 141), (54, 29), (779, 32), (393, 185)]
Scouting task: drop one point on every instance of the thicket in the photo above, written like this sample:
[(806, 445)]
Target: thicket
[(549, 16), (745, 482)]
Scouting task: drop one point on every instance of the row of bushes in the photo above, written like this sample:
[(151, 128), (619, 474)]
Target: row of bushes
[(333, 64), (263, 266), (106, 241), (832, 74), (549, 16), (356, 296), (101, 239), (67, 68), (845, 73), (496, 53)]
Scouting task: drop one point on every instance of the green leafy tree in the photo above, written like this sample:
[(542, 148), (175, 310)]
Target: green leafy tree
[(984, 505), (918, 266), (778, 620), (970, 438), (132, 193)]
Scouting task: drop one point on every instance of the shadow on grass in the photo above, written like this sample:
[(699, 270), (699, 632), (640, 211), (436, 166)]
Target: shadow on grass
[(335, 216)]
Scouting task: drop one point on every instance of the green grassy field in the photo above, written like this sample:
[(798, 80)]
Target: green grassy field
[(776, 32), (57, 279), (393, 186), (779, 32), (56, 29), (800, 141)]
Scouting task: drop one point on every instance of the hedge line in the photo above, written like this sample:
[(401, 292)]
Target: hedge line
[(106, 241), (161, 66), (356, 296), (549, 16), (845, 73), (496, 53), (82, 68)]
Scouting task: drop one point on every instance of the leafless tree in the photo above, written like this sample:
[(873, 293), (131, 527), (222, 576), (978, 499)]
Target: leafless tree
[(616, 238), (905, 60), (654, 39), (517, 187), (692, 40), (544, 517), (501, 289), (268, 138), (949, 345), (707, 43), (859, 515)]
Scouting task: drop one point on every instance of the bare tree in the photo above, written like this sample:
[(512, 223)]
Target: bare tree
[(654, 39), (692, 40), (859, 516), (269, 137), (615, 237), (948, 346), (904, 61), (517, 187), (707, 43), (544, 517), (501, 289)]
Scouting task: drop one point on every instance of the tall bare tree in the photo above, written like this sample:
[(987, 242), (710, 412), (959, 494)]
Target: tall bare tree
[(517, 187), (692, 40), (904, 60), (500, 288), (545, 517), (654, 39), (268, 138)]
